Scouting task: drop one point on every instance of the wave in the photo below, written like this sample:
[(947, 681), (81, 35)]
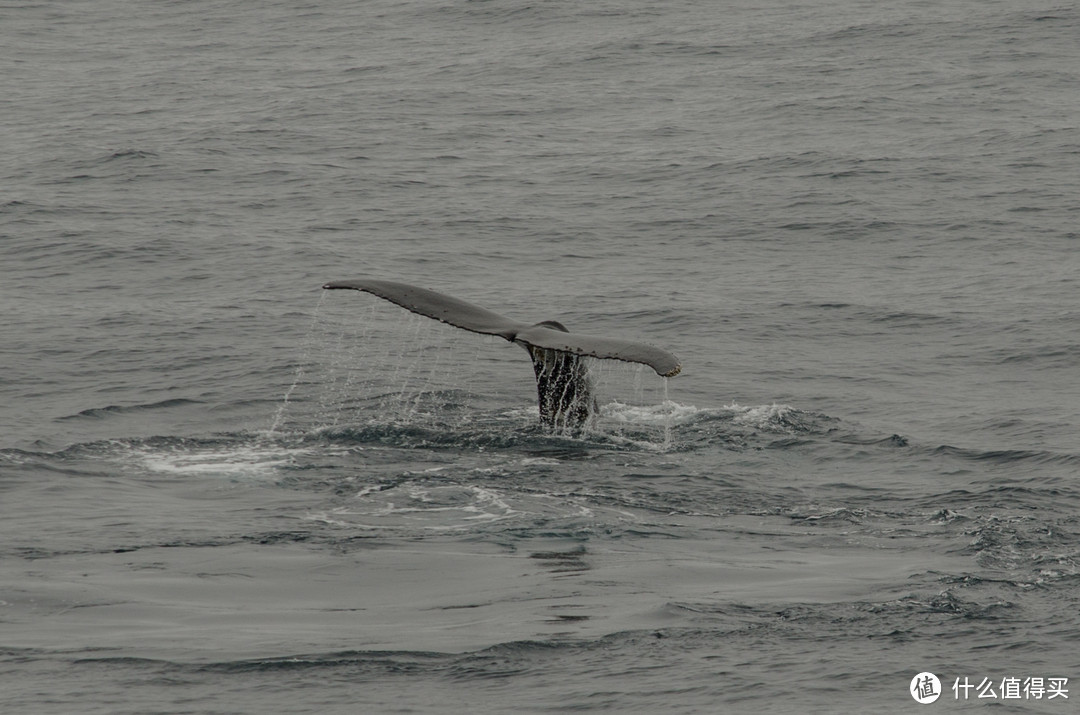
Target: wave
[(108, 410), (1008, 456), (235, 456), (1011, 543), (665, 427)]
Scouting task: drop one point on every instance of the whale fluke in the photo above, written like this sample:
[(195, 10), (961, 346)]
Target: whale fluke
[(562, 382), (436, 305)]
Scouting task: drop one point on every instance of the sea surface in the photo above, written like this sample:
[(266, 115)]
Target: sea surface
[(225, 490)]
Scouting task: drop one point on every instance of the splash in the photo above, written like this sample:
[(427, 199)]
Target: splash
[(665, 414), (763, 417)]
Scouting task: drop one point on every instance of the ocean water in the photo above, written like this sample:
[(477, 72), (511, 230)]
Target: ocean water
[(223, 490)]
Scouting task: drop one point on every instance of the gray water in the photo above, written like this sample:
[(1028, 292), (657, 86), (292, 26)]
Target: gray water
[(222, 491)]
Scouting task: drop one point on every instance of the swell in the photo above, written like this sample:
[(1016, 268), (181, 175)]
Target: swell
[(1005, 457), (108, 410)]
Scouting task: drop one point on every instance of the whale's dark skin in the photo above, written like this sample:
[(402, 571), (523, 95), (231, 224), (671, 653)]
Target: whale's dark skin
[(563, 386), (562, 380)]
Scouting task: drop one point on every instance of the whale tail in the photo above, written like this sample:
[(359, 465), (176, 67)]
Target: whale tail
[(563, 385)]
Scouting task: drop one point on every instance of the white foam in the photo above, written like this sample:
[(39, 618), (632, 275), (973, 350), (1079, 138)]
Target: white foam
[(427, 507), (235, 461), (667, 412), (761, 416)]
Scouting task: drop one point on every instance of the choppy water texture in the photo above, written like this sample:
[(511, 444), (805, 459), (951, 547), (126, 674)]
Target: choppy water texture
[(222, 491)]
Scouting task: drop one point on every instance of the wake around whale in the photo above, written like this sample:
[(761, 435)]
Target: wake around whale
[(563, 385)]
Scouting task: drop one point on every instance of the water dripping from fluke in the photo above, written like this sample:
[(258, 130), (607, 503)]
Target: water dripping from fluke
[(564, 388), (279, 415), (373, 378)]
